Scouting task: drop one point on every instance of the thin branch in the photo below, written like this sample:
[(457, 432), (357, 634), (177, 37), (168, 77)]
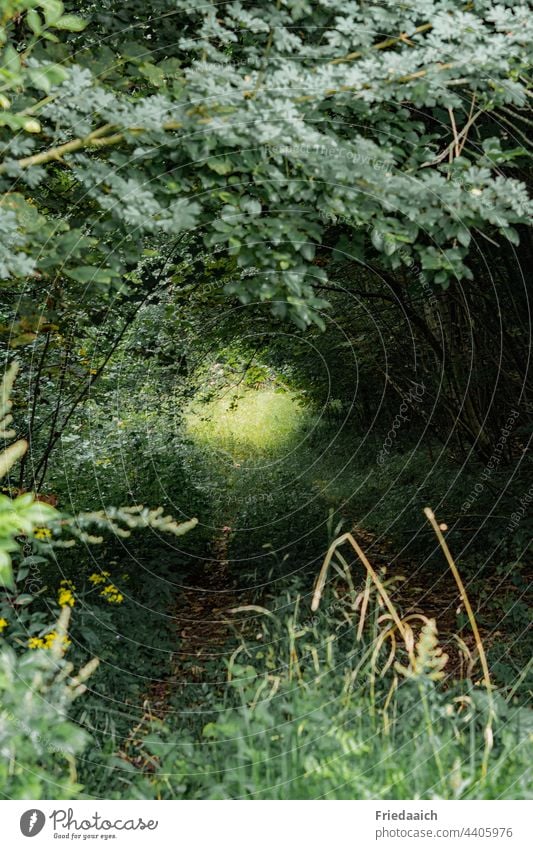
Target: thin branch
[(471, 112), (517, 115), (57, 433), (460, 135), (34, 405), (514, 128), (96, 139), (43, 463), (382, 296), (59, 151), (382, 45), (454, 130)]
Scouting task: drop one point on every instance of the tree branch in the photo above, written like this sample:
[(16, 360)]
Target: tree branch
[(382, 45)]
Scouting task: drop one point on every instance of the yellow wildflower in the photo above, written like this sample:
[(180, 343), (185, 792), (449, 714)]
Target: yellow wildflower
[(50, 639), (112, 594), (3, 624), (42, 533), (35, 643), (98, 578)]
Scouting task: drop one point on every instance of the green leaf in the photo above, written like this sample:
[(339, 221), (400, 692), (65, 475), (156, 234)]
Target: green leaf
[(221, 166), (40, 79), (53, 9), (10, 59), (90, 274), (6, 573), (32, 125), (34, 21), (377, 239), (389, 244), (512, 235), (464, 236), (307, 250), (152, 73)]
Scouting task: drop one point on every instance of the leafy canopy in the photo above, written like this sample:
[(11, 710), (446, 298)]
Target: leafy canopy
[(253, 126)]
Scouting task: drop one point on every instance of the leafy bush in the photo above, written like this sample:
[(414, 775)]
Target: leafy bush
[(39, 742), (37, 685)]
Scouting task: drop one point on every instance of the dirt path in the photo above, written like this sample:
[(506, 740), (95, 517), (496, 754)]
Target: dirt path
[(204, 628), (203, 623)]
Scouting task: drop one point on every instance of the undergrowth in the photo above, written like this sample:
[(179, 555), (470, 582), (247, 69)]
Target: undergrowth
[(316, 706), (352, 699)]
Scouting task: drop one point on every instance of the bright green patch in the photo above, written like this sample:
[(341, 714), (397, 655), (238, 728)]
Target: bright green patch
[(250, 423)]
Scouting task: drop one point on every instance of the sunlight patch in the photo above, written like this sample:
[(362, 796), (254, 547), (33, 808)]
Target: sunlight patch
[(250, 423)]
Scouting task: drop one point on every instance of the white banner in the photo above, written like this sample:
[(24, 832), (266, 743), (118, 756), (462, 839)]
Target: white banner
[(268, 825)]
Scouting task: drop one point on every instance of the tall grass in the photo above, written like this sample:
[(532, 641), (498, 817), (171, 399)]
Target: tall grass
[(347, 701)]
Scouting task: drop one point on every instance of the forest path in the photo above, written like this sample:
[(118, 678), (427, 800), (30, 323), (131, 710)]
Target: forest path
[(207, 630), (204, 628)]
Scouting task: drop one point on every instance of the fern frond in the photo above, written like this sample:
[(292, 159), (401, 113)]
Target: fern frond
[(428, 660)]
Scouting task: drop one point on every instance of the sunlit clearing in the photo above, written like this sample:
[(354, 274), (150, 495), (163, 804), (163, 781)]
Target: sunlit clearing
[(256, 422)]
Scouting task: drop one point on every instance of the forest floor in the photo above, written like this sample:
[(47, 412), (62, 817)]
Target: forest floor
[(209, 628), (258, 503)]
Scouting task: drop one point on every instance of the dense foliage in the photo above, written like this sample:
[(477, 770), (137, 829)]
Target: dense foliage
[(263, 280)]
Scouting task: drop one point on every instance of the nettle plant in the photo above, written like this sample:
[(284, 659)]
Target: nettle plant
[(37, 687), (26, 517), (38, 741)]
